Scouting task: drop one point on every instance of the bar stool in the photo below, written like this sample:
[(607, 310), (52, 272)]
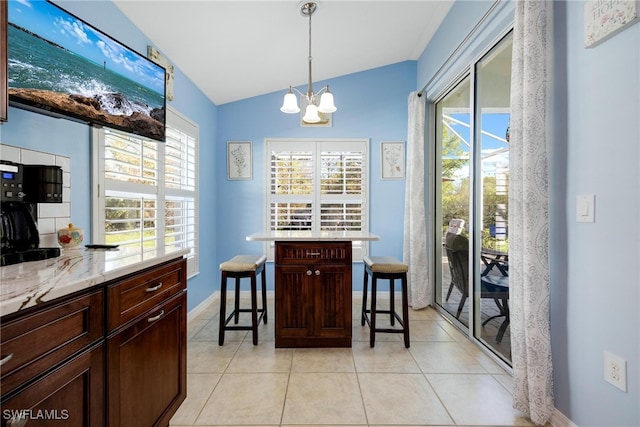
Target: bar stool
[(238, 267), (385, 267)]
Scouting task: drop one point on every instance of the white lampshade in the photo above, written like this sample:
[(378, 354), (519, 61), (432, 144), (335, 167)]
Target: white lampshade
[(311, 114), (326, 103), (290, 104)]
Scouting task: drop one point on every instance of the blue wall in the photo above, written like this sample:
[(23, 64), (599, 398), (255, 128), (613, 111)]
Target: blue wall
[(596, 149), (371, 104), (64, 137)]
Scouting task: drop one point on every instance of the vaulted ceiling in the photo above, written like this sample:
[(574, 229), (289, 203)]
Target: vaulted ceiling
[(238, 49)]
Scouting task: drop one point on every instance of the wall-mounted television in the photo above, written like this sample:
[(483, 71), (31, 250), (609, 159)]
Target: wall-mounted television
[(62, 66)]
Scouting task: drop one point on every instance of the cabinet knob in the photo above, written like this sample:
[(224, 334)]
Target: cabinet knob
[(6, 358), (317, 272), (309, 272)]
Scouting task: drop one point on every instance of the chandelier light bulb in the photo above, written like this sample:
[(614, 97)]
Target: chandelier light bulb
[(311, 114), (290, 103), (326, 102)]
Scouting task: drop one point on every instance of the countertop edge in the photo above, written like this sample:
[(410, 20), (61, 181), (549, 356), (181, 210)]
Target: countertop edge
[(296, 237), (58, 283)]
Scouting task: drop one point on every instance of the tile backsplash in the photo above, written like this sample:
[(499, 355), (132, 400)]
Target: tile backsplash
[(51, 216)]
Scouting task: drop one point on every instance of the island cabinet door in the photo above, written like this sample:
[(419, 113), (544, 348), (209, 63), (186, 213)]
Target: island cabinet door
[(294, 309), (146, 367), (71, 395), (313, 305), (332, 303)]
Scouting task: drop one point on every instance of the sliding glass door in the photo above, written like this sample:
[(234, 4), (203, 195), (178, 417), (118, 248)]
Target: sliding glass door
[(472, 170)]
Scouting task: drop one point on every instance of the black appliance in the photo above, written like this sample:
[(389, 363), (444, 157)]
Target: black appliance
[(22, 188)]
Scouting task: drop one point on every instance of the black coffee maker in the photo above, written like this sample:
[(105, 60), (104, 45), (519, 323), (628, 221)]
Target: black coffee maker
[(22, 188)]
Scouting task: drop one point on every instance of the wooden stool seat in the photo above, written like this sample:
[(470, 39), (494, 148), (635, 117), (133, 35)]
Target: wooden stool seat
[(238, 267), (385, 267)]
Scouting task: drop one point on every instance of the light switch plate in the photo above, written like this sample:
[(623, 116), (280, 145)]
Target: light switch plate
[(585, 208)]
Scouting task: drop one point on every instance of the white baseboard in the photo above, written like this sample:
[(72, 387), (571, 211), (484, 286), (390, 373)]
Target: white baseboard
[(558, 419), (203, 306), (214, 298)]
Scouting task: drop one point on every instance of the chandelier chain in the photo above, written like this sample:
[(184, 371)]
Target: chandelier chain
[(309, 6)]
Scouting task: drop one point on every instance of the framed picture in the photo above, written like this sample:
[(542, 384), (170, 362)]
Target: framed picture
[(326, 119), (392, 160), (239, 160), (155, 55), (603, 19)]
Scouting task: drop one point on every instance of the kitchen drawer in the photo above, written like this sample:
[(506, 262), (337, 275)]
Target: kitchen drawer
[(313, 253), (132, 297), (34, 343)]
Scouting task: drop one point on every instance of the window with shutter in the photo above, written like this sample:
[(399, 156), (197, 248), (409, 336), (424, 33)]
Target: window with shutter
[(318, 186), (147, 190)]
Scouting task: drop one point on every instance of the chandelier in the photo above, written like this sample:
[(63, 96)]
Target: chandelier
[(290, 103)]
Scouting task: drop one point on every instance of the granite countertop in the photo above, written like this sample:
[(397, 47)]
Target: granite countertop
[(30, 283), (304, 235)]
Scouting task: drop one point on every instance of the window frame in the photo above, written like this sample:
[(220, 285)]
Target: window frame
[(317, 146), (159, 191)]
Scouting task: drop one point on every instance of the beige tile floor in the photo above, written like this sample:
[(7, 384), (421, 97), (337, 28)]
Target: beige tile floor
[(441, 380)]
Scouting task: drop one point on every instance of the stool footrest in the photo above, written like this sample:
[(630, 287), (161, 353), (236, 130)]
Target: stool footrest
[(396, 315), (261, 312)]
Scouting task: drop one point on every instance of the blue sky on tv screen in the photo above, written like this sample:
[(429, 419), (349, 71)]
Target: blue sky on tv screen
[(56, 25)]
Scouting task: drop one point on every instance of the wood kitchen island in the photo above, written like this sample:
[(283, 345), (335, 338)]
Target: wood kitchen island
[(313, 286)]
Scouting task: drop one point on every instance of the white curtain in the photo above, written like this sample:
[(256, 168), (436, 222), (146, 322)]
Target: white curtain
[(415, 226), (529, 209)]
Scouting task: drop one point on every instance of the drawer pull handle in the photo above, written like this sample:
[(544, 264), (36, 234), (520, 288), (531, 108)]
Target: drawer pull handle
[(317, 272), (309, 272), (6, 358), (154, 288), (154, 318), (313, 254)]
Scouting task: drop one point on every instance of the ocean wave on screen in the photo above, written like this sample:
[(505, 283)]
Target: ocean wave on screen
[(117, 104), (87, 88), (111, 101), (21, 65)]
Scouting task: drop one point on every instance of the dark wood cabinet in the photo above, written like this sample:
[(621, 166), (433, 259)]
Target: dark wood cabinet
[(52, 363), (71, 395), (33, 344), (147, 367), (313, 294), (146, 346), (114, 355)]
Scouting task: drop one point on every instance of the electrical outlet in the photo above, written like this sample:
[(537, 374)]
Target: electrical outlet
[(615, 370)]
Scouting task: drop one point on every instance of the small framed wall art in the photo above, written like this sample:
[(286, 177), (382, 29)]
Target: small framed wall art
[(239, 165), (392, 160), (605, 18), (155, 55)]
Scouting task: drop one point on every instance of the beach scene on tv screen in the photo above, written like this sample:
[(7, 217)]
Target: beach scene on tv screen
[(59, 63)]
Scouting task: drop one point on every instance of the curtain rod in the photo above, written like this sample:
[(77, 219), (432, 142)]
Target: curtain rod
[(462, 43)]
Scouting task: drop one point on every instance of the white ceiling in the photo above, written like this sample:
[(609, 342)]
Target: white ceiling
[(238, 49)]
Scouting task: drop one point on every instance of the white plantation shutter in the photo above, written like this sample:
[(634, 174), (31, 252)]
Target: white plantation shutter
[(147, 190), (318, 186)]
